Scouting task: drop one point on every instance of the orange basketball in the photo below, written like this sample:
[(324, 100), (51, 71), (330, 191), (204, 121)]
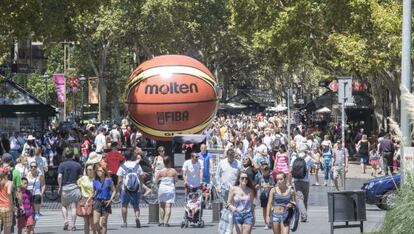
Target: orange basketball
[(171, 94)]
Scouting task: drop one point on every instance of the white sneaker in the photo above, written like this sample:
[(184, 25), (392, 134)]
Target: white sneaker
[(266, 227)]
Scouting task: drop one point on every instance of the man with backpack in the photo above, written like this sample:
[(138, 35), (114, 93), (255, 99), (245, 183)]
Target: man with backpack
[(301, 165), (129, 181)]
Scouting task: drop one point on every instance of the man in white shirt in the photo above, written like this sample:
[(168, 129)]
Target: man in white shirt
[(14, 146), (267, 139), (100, 140), (115, 134), (298, 139), (193, 172), (227, 172)]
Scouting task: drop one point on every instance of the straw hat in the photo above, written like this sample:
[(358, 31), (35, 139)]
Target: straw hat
[(364, 138), (94, 158)]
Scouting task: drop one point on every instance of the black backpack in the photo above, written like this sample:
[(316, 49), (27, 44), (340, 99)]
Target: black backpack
[(299, 169)]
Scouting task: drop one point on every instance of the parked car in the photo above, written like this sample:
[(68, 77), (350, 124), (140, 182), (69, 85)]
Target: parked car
[(382, 191)]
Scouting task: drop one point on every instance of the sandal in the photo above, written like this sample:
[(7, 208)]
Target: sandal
[(65, 226)]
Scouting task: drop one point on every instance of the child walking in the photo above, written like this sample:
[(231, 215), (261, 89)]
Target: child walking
[(25, 218)]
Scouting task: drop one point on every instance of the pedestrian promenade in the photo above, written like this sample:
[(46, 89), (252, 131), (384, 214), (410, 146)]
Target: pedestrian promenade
[(52, 222)]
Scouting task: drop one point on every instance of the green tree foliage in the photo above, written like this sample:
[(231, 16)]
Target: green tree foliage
[(265, 43)]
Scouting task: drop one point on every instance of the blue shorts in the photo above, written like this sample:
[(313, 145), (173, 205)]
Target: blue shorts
[(363, 159), (243, 218), (278, 217), (130, 198)]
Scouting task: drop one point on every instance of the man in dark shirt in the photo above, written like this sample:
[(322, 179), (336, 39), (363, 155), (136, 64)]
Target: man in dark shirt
[(68, 173), (386, 148), (4, 144)]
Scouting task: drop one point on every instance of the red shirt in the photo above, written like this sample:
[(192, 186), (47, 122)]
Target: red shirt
[(114, 160), (85, 147)]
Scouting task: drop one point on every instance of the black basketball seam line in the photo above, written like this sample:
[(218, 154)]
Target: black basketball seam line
[(204, 121), (169, 103), (214, 78), (209, 118), (178, 73), (137, 82)]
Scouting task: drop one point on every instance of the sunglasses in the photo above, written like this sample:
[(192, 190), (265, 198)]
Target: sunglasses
[(161, 151), (99, 171), (89, 169), (33, 166), (243, 178)]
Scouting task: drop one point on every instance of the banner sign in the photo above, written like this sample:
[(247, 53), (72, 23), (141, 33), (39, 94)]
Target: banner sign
[(59, 80), (93, 90), (408, 158)]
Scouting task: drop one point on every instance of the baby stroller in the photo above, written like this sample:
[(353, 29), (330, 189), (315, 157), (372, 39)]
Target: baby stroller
[(194, 201)]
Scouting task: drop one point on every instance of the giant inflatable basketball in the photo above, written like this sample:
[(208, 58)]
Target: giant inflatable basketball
[(171, 94)]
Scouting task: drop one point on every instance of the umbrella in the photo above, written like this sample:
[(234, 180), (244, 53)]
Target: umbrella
[(323, 110)]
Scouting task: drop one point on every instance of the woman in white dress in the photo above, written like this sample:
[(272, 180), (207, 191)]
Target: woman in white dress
[(158, 163), (166, 178)]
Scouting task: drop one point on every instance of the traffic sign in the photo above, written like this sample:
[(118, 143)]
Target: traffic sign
[(333, 85), (345, 90)]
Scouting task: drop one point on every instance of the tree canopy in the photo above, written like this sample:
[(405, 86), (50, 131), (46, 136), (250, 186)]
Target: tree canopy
[(262, 43)]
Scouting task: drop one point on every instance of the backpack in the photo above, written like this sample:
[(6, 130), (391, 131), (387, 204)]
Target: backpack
[(299, 169), (131, 180)]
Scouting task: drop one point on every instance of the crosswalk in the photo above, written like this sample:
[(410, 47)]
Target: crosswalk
[(54, 218)]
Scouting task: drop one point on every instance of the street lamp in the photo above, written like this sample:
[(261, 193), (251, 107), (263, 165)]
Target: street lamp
[(82, 80), (45, 77)]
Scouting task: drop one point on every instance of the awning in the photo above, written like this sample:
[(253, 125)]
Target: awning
[(278, 108), (189, 139)]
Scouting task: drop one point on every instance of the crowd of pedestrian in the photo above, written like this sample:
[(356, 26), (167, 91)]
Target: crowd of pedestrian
[(260, 164)]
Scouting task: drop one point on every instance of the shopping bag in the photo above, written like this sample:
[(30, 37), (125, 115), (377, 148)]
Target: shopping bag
[(226, 222)]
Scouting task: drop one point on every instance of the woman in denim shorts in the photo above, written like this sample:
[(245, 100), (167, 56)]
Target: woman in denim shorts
[(104, 194), (240, 202), (281, 198)]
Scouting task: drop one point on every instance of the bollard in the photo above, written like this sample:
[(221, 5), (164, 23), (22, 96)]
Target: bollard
[(153, 213), (217, 206)]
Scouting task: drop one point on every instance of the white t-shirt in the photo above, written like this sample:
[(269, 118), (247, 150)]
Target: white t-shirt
[(115, 135), (193, 172), (298, 139), (227, 173), (129, 165), (267, 140), (100, 142)]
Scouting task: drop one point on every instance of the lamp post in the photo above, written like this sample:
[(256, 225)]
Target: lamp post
[(45, 77), (82, 80), (405, 82)]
